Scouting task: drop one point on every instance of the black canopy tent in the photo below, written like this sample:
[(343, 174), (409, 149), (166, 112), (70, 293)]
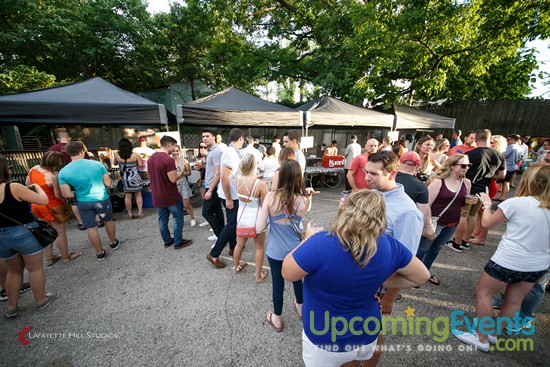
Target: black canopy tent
[(329, 111), (412, 118), (235, 107), (91, 102)]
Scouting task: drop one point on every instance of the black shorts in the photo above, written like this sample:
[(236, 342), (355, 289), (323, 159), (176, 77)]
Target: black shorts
[(508, 177), (511, 276)]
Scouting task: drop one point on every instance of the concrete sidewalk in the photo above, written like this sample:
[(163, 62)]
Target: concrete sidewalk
[(146, 305)]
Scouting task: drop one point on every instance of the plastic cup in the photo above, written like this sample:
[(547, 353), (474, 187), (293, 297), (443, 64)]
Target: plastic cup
[(471, 200)]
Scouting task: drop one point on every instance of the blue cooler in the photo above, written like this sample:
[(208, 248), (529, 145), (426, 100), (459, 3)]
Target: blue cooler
[(147, 199)]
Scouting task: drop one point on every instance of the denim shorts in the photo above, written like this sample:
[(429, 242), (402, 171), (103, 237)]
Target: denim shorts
[(89, 212), (18, 240), (511, 276)]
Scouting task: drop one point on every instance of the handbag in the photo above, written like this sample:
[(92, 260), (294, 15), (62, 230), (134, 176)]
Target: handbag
[(62, 213), (249, 231), (45, 234), (436, 219), (120, 184)]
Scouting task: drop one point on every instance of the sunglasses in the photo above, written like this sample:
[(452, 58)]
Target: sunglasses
[(202, 147), (464, 166)]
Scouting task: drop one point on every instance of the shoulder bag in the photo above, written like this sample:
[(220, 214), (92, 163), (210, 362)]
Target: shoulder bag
[(62, 213), (294, 223), (45, 234)]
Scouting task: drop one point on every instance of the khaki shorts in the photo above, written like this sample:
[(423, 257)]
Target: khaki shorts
[(470, 210)]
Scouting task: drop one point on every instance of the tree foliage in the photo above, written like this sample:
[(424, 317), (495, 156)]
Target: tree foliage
[(384, 51)]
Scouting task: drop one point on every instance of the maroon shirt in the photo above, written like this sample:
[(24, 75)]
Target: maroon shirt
[(164, 192), (451, 217), (60, 147)]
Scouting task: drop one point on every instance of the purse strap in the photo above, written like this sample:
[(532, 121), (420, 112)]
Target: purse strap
[(246, 202), (452, 201), (16, 221)]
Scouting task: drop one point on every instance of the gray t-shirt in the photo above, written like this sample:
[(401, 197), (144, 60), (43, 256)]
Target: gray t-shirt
[(212, 159)]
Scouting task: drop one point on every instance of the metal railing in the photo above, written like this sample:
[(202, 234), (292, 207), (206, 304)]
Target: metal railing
[(22, 162)]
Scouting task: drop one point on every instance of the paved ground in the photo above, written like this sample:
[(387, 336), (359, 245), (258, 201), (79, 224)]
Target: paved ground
[(146, 305)]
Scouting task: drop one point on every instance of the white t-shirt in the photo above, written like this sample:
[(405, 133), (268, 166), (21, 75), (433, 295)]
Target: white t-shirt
[(255, 152), (269, 166), (525, 245), (352, 151), (300, 158), (230, 159)]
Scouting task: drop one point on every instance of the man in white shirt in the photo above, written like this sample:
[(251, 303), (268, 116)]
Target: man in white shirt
[(144, 152), (352, 151), (252, 150), (291, 140), (227, 192)]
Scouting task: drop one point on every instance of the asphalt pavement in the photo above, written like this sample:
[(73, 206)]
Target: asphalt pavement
[(146, 305)]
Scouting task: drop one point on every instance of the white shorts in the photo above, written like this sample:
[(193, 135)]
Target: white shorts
[(316, 357)]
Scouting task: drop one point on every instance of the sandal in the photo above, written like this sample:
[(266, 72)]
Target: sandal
[(263, 275), (434, 280), (269, 319), (242, 265), (72, 256), (297, 311), (141, 216), (53, 260)]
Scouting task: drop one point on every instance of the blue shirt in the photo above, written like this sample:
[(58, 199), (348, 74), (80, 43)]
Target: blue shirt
[(86, 176), (405, 221), (513, 155), (337, 287)]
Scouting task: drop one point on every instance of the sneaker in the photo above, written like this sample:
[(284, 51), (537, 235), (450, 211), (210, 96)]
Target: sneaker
[(81, 227), (101, 256), (25, 287), (498, 301), (398, 298), (453, 246), (193, 222), (465, 245), (213, 238), (471, 339), (115, 245), (166, 245), (11, 314), (50, 297), (3, 295), (493, 339), (344, 192), (184, 243), (203, 224), (211, 230), (100, 224)]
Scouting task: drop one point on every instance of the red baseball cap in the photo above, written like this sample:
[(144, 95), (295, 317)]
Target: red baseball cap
[(410, 159)]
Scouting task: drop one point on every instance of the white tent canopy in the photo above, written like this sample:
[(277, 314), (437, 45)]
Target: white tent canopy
[(412, 118)]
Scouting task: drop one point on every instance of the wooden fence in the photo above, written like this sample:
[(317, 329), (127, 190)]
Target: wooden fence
[(524, 117)]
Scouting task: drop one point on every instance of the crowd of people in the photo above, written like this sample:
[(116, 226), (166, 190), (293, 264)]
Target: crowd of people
[(400, 207)]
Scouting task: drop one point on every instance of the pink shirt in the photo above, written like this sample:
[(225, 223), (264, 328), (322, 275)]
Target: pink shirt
[(357, 165)]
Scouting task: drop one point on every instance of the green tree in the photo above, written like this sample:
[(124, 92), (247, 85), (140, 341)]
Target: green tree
[(23, 78)]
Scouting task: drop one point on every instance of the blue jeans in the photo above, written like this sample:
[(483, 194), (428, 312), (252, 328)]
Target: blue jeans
[(164, 215), (279, 286), (213, 213), (429, 249), (229, 232), (533, 299)]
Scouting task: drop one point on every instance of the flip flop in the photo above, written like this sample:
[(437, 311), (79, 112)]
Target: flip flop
[(72, 256), (263, 275), (277, 329), (53, 260), (434, 280), (296, 308), (241, 266)]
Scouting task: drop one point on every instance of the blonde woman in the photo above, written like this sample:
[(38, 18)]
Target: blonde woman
[(252, 192), (428, 164), (342, 270), (522, 256), (446, 195), (479, 236), (440, 150), (182, 165)]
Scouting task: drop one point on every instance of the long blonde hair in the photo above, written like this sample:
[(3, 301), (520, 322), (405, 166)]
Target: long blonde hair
[(535, 182), (500, 143), (445, 170), (359, 223)]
